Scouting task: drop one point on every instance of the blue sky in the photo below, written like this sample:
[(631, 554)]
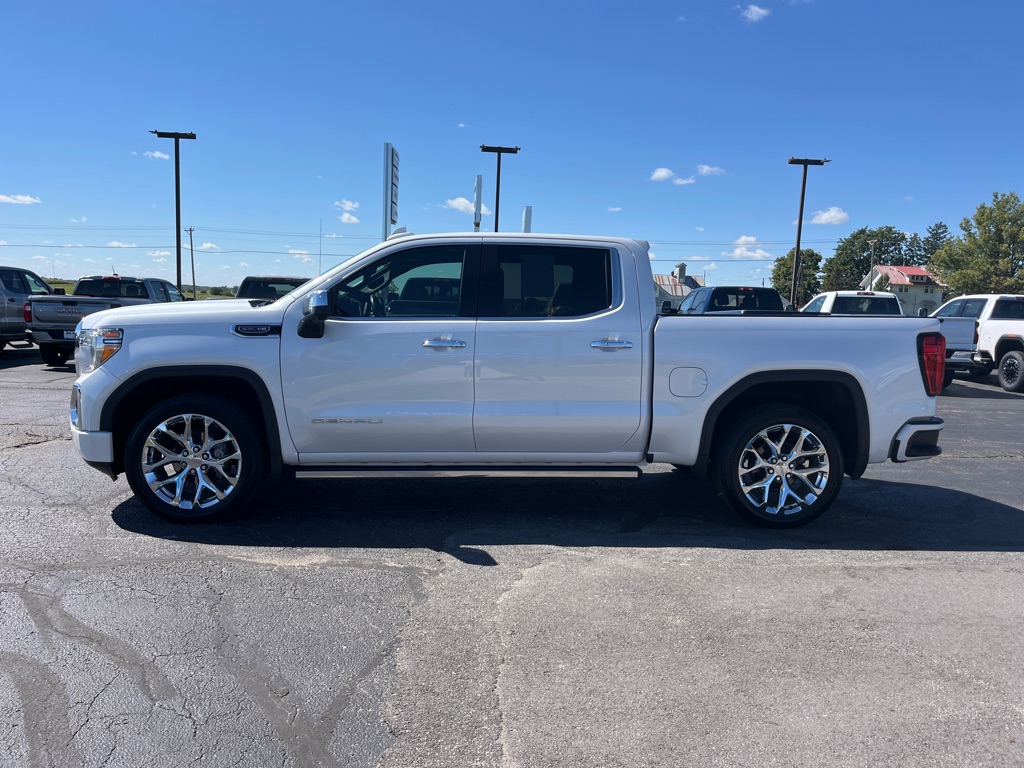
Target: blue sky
[(665, 121)]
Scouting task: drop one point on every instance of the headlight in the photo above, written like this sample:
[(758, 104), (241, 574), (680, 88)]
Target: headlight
[(95, 346)]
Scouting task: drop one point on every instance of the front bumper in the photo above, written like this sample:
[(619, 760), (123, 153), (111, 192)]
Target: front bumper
[(917, 439), (97, 449)]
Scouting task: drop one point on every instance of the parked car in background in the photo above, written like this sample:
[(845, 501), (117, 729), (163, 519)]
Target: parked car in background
[(51, 320), (270, 287), (1000, 322), (16, 286), (854, 303), (731, 298)]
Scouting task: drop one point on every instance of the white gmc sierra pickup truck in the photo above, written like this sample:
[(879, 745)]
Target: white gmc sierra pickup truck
[(492, 355)]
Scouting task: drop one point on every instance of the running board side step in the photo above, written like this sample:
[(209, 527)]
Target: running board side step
[(610, 472)]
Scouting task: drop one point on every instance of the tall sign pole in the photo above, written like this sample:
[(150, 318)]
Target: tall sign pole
[(390, 205)]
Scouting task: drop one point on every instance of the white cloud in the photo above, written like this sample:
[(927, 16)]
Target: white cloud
[(19, 199), (833, 215), (754, 13), (157, 155), (4, 242), (159, 254), (209, 247), (116, 244), (680, 182), (614, 208), (462, 205), (301, 255), (710, 267), (243, 264), (346, 205), (744, 249), (79, 220), (710, 170), (699, 229), (463, 125), (331, 236), (161, 260), (348, 218), (662, 174)]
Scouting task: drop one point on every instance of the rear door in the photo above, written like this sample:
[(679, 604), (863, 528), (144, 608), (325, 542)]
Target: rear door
[(558, 365), (19, 285)]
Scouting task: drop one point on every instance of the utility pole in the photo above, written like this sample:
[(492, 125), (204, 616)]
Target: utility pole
[(800, 221), (177, 188), (499, 151)]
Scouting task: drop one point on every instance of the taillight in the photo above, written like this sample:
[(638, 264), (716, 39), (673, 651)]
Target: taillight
[(931, 355), (27, 312), (976, 328)]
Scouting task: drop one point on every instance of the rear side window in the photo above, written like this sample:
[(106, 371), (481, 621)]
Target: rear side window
[(732, 299), (524, 280), (12, 281), (111, 289), (865, 305), (1008, 309)]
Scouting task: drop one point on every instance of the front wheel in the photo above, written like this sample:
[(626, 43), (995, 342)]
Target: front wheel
[(194, 459), (1011, 371), (780, 466)]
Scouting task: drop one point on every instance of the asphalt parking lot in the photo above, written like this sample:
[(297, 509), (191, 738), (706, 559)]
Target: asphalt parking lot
[(512, 622)]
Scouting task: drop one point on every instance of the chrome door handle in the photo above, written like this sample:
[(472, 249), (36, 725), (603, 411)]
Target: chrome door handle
[(444, 343), (609, 344)]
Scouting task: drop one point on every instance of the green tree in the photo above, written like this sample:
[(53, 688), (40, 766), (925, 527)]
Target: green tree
[(938, 236), (851, 262), (915, 254), (989, 257), (809, 284)]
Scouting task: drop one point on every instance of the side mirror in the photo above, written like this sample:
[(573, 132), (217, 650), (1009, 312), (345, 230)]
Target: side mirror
[(666, 307), (59, 292), (314, 314)]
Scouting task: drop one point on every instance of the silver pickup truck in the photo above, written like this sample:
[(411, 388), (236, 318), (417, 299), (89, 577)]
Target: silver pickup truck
[(497, 355), (51, 320)]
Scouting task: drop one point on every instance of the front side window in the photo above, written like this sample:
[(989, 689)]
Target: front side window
[(416, 282), (950, 310), (524, 280), (172, 292), (816, 305), (35, 286)]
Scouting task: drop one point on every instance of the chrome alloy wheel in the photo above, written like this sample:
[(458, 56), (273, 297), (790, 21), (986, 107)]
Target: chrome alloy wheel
[(782, 469), (191, 461)]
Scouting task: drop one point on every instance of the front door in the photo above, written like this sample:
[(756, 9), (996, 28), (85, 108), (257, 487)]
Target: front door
[(393, 375)]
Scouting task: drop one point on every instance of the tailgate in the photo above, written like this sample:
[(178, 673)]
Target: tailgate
[(54, 312)]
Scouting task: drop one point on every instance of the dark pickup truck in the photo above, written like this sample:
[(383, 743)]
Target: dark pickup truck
[(51, 320)]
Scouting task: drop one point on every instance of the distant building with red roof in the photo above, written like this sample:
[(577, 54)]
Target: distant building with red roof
[(915, 287)]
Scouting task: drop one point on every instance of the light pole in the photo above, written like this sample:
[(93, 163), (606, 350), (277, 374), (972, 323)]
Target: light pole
[(800, 220), (177, 188), (499, 151)]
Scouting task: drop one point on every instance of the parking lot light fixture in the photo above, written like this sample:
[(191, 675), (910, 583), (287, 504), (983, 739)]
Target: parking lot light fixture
[(800, 221), (177, 189), (499, 151)]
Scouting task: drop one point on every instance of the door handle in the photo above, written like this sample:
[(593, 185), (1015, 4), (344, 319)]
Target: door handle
[(609, 344), (444, 343)]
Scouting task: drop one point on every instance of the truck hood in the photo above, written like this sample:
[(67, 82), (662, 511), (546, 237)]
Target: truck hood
[(191, 312)]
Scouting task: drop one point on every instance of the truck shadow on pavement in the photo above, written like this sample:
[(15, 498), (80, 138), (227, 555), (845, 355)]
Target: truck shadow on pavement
[(463, 517), (979, 390)]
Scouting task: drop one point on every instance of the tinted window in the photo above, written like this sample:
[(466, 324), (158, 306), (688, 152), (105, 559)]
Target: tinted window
[(524, 280), (688, 301), (815, 306), (159, 292), (731, 299), (417, 282), (35, 286), (950, 310), (865, 305), (973, 308), (1008, 309), (12, 281), (113, 289)]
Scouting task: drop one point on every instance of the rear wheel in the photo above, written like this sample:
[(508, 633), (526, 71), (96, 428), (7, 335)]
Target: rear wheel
[(54, 355), (1011, 371), (194, 459), (780, 466)]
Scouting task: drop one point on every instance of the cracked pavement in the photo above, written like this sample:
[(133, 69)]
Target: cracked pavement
[(512, 623)]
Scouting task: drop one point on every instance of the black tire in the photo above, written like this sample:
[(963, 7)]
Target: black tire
[(778, 437), (54, 355), (223, 469), (947, 378), (980, 371), (1011, 371)]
